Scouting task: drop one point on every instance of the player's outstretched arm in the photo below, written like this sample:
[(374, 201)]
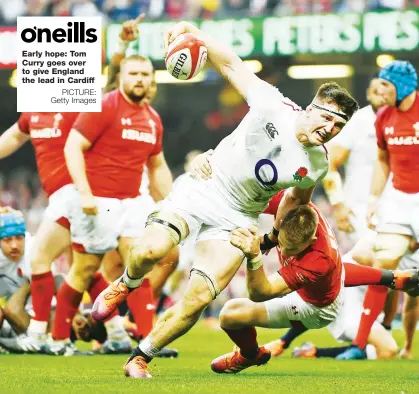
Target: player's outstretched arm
[(161, 180), (379, 179), (128, 33), (73, 151), (14, 310), (226, 62), (11, 140), (259, 286)]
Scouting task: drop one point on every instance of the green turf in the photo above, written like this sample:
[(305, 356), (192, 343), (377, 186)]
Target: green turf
[(190, 373)]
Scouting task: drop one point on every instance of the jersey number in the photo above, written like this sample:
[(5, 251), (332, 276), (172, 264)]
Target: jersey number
[(259, 165)]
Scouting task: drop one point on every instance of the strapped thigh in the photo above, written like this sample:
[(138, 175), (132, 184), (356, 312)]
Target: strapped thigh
[(175, 224), (211, 282)]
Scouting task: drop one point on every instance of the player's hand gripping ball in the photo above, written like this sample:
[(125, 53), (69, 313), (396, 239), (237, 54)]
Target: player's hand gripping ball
[(186, 56)]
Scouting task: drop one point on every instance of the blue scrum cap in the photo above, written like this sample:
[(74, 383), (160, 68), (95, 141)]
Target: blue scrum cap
[(402, 75), (11, 224)]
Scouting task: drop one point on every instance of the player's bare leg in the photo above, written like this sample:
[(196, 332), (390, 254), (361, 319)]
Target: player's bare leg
[(51, 240), (390, 308), (143, 253), (410, 319), (215, 265), (162, 271), (238, 319)]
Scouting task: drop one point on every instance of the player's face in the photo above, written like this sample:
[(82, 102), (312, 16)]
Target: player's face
[(13, 247), (387, 90), (136, 78), (321, 124), (376, 96), (289, 248)]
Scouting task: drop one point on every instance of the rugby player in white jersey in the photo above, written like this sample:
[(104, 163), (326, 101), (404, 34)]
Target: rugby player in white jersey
[(276, 146)]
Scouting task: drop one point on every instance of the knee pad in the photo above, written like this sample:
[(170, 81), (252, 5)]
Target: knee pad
[(210, 280), (175, 225), (390, 247)]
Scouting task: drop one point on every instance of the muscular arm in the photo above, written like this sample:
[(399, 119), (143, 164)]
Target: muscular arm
[(262, 288), (161, 179), (14, 310), (73, 151), (11, 140), (381, 173), (225, 61), (113, 71)]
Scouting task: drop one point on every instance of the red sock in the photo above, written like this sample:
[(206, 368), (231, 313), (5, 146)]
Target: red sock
[(141, 305), (374, 301), (42, 292), (359, 275), (96, 287), (246, 339), (68, 301)]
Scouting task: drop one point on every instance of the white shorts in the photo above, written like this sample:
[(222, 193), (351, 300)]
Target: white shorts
[(281, 311), (205, 210), (345, 326), (399, 213), (186, 255), (359, 223), (409, 261), (59, 203), (116, 218)]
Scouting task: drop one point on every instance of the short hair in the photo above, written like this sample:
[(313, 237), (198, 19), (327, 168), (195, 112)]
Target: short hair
[(136, 58), (331, 92), (300, 224)]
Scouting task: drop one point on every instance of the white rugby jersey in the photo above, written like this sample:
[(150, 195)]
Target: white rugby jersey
[(263, 156), (14, 274), (359, 137)]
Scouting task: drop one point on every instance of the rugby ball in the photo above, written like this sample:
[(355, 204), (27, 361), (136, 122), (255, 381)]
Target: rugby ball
[(186, 56)]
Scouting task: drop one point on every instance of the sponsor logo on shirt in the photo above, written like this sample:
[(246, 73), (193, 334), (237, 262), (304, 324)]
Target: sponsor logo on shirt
[(389, 130), (135, 135), (46, 133), (34, 118), (126, 122), (271, 131), (409, 140)]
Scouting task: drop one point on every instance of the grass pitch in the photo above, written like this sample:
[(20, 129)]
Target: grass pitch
[(190, 373)]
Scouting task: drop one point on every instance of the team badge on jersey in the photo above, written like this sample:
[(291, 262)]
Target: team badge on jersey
[(300, 174), (271, 131)]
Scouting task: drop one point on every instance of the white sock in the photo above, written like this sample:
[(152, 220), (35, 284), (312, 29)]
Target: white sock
[(37, 327), (130, 282), (371, 352), (147, 348), (115, 329)]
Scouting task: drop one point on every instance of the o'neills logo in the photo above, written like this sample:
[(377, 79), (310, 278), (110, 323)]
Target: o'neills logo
[(179, 63), (46, 133), (75, 33), (135, 135), (409, 140)]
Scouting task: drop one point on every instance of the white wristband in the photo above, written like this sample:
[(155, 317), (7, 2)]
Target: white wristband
[(122, 46), (255, 263), (333, 187)]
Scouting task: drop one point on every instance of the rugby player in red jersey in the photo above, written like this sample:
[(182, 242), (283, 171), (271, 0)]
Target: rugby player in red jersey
[(397, 129), (106, 153), (307, 289)]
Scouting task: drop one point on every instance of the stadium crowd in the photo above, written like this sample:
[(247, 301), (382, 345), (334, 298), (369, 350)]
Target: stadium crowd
[(120, 10)]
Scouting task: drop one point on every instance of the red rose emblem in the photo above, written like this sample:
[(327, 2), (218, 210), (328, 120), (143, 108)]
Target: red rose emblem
[(19, 272), (302, 172)]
